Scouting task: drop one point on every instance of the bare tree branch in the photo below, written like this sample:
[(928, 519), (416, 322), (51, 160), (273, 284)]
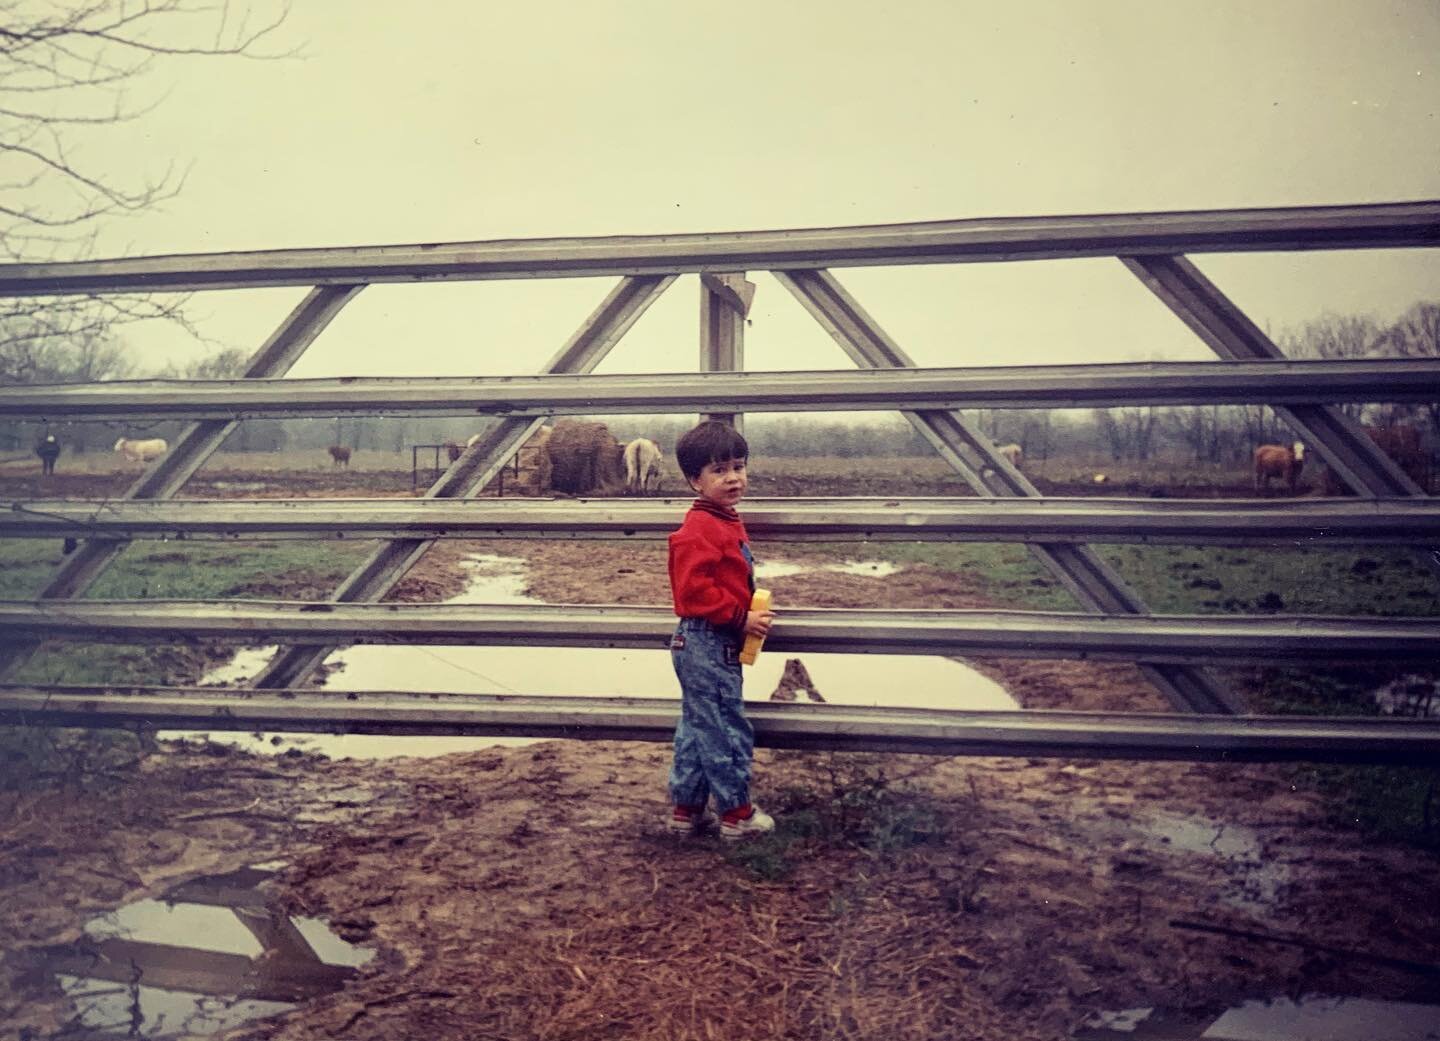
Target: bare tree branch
[(67, 69)]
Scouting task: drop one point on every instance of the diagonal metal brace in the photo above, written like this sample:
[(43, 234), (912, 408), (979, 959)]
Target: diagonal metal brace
[(1342, 441), (1088, 578), (373, 579), (168, 474)]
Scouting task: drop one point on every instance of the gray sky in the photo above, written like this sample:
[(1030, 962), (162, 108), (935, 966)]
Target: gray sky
[(454, 120)]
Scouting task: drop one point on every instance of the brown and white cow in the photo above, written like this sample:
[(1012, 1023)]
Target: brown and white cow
[(1272, 461)]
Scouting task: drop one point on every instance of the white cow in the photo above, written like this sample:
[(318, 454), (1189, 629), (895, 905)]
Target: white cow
[(1014, 453), (142, 451), (642, 465)]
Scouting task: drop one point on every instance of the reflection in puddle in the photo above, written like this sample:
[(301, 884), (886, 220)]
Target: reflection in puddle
[(1313, 1018), (207, 957), (842, 679)]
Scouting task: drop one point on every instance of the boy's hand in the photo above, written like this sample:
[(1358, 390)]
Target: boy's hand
[(757, 623)]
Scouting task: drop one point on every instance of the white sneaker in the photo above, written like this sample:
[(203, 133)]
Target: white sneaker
[(758, 823)]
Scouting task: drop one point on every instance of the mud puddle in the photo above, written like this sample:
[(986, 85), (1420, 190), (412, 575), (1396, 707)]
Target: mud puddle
[(843, 679), (1311, 1018), (209, 955), (1254, 885)]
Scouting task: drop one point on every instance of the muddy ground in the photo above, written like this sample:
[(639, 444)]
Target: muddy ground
[(534, 892)]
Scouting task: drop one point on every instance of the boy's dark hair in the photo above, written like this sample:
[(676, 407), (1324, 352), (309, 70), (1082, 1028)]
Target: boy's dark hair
[(710, 442)]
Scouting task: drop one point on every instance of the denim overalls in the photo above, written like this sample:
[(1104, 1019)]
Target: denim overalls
[(714, 742)]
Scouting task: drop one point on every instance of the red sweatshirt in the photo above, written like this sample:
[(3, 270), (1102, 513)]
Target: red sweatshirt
[(710, 566)]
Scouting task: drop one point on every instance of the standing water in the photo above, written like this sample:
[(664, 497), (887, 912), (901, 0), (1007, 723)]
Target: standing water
[(212, 954), (895, 680)]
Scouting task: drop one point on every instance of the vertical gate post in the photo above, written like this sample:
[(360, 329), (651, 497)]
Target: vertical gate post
[(724, 304)]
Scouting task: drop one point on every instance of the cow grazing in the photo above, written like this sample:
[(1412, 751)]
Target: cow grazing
[(339, 455), (642, 465), (1014, 453), (1272, 461), (141, 451)]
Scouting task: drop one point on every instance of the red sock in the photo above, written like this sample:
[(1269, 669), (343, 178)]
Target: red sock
[(739, 813)]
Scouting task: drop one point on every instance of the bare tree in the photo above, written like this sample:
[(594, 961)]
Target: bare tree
[(67, 72), (1334, 336), (1416, 334), (1129, 433)]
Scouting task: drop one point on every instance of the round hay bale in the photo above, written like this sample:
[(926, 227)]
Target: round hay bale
[(584, 458)]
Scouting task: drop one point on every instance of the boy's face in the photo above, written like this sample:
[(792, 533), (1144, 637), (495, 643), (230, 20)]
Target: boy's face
[(722, 483)]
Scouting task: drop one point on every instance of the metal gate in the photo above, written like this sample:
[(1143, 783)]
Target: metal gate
[(1176, 653)]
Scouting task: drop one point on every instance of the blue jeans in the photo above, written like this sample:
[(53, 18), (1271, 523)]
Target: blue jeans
[(713, 740)]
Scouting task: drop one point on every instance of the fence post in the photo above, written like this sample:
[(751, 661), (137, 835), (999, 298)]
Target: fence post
[(724, 304)]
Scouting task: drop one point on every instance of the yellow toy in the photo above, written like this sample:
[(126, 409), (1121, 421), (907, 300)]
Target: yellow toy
[(751, 650)]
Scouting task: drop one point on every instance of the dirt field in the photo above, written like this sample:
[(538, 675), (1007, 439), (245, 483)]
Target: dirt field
[(533, 892)]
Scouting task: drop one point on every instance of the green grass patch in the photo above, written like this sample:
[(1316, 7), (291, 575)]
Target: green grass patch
[(198, 571), (1199, 579), (1399, 804), (149, 570), (26, 565), (1006, 572), (1373, 580), (146, 570)]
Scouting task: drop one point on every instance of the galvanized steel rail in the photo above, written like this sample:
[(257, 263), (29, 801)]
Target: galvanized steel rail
[(1071, 735), (1303, 522), (1153, 639), (1151, 245), (1274, 382), (1382, 226)]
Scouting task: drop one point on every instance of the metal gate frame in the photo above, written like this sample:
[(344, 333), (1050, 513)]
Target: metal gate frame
[(1152, 246)]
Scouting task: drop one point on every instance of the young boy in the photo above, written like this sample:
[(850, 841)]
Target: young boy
[(711, 579)]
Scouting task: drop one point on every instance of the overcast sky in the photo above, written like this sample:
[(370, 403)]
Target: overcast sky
[(456, 120)]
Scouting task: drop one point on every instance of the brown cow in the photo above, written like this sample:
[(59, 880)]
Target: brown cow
[(453, 450), (1278, 461), (340, 454)]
